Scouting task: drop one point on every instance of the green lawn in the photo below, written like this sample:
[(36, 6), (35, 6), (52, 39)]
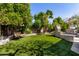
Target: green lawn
[(40, 45)]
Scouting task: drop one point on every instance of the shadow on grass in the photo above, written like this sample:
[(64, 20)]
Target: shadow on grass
[(62, 48), (16, 38)]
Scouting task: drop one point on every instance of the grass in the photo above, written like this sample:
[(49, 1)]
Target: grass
[(39, 45)]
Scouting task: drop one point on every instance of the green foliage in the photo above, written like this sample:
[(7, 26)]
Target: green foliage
[(65, 26), (39, 45), (60, 21), (37, 24), (74, 20), (15, 19), (33, 45), (50, 27), (43, 19), (28, 31), (15, 14), (49, 12)]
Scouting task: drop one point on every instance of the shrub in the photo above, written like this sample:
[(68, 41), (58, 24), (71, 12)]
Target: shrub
[(28, 31), (34, 45)]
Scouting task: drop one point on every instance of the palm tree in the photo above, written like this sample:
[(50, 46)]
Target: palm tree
[(43, 17)]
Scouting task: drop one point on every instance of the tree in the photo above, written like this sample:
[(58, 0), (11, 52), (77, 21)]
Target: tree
[(37, 25), (60, 21), (16, 15), (43, 18), (64, 27), (24, 11), (74, 20), (50, 28)]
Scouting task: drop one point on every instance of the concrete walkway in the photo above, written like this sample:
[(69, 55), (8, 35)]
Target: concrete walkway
[(75, 47), (28, 34)]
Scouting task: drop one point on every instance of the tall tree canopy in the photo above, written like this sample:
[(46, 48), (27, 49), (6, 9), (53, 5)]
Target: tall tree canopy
[(60, 21), (43, 19), (16, 14), (74, 20)]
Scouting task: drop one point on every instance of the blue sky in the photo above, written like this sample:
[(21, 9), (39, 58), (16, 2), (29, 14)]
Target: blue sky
[(64, 10)]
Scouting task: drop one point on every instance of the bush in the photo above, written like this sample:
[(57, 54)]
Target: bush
[(34, 45), (28, 31), (64, 27), (50, 28)]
